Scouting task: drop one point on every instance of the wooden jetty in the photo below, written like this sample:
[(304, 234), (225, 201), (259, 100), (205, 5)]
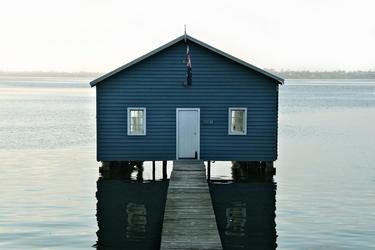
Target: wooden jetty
[(189, 219)]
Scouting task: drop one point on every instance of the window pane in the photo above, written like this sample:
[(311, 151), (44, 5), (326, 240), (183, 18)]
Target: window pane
[(136, 113), (237, 119), (136, 121)]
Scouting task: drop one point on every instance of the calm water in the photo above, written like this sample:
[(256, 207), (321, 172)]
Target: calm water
[(323, 196)]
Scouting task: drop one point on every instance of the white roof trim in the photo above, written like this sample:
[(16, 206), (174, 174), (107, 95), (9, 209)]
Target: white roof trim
[(101, 78)]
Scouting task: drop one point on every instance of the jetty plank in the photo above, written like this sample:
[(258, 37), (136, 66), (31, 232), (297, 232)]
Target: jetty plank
[(189, 219)]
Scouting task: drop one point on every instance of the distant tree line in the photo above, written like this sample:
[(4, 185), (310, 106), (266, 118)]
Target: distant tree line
[(339, 74), (50, 73), (286, 74)]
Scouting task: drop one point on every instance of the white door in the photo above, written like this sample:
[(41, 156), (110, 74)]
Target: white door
[(187, 133)]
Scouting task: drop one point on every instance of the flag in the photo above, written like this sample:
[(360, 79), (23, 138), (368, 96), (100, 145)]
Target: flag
[(188, 67)]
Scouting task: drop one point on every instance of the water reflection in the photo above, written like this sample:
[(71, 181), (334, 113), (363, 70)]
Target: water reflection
[(245, 209), (129, 211)]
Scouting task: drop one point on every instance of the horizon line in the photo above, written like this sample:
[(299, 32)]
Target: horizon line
[(44, 72)]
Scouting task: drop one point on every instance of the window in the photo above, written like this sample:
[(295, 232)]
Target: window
[(237, 121), (136, 121)]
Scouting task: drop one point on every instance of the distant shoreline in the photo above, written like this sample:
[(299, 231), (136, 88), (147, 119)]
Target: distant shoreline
[(325, 75), (290, 75), (50, 74)]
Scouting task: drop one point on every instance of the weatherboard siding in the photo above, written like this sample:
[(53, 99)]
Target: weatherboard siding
[(156, 84)]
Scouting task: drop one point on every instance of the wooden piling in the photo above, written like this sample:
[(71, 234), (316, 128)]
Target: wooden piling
[(247, 170), (208, 170), (164, 170), (269, 168), (153, 170)]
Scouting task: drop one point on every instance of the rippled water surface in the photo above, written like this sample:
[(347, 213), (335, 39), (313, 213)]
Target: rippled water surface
[(52, 196)]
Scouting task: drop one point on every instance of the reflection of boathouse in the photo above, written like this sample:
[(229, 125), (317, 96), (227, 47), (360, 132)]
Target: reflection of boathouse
[(245, 211), (129, 213), (130, 210)]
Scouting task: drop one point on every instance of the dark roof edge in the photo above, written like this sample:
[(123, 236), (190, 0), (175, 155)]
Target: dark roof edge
[(101, 78)]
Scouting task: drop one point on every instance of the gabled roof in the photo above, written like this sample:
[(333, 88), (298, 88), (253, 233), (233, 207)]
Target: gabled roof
[(189, 38)]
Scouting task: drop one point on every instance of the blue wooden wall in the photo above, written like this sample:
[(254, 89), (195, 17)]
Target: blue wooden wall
[(157, 84)]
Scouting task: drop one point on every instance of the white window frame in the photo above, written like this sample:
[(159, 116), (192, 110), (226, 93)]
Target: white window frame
[(144, 122), (230, 132)]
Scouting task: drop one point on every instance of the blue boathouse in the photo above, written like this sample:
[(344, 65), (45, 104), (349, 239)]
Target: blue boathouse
[(147, 111)]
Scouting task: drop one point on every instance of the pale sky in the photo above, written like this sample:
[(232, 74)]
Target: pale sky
[(100, 35)]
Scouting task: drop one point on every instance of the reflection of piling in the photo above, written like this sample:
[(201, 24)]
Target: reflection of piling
[(247, 170)]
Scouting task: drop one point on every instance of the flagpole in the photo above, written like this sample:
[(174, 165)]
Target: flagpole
[(185, 33)]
